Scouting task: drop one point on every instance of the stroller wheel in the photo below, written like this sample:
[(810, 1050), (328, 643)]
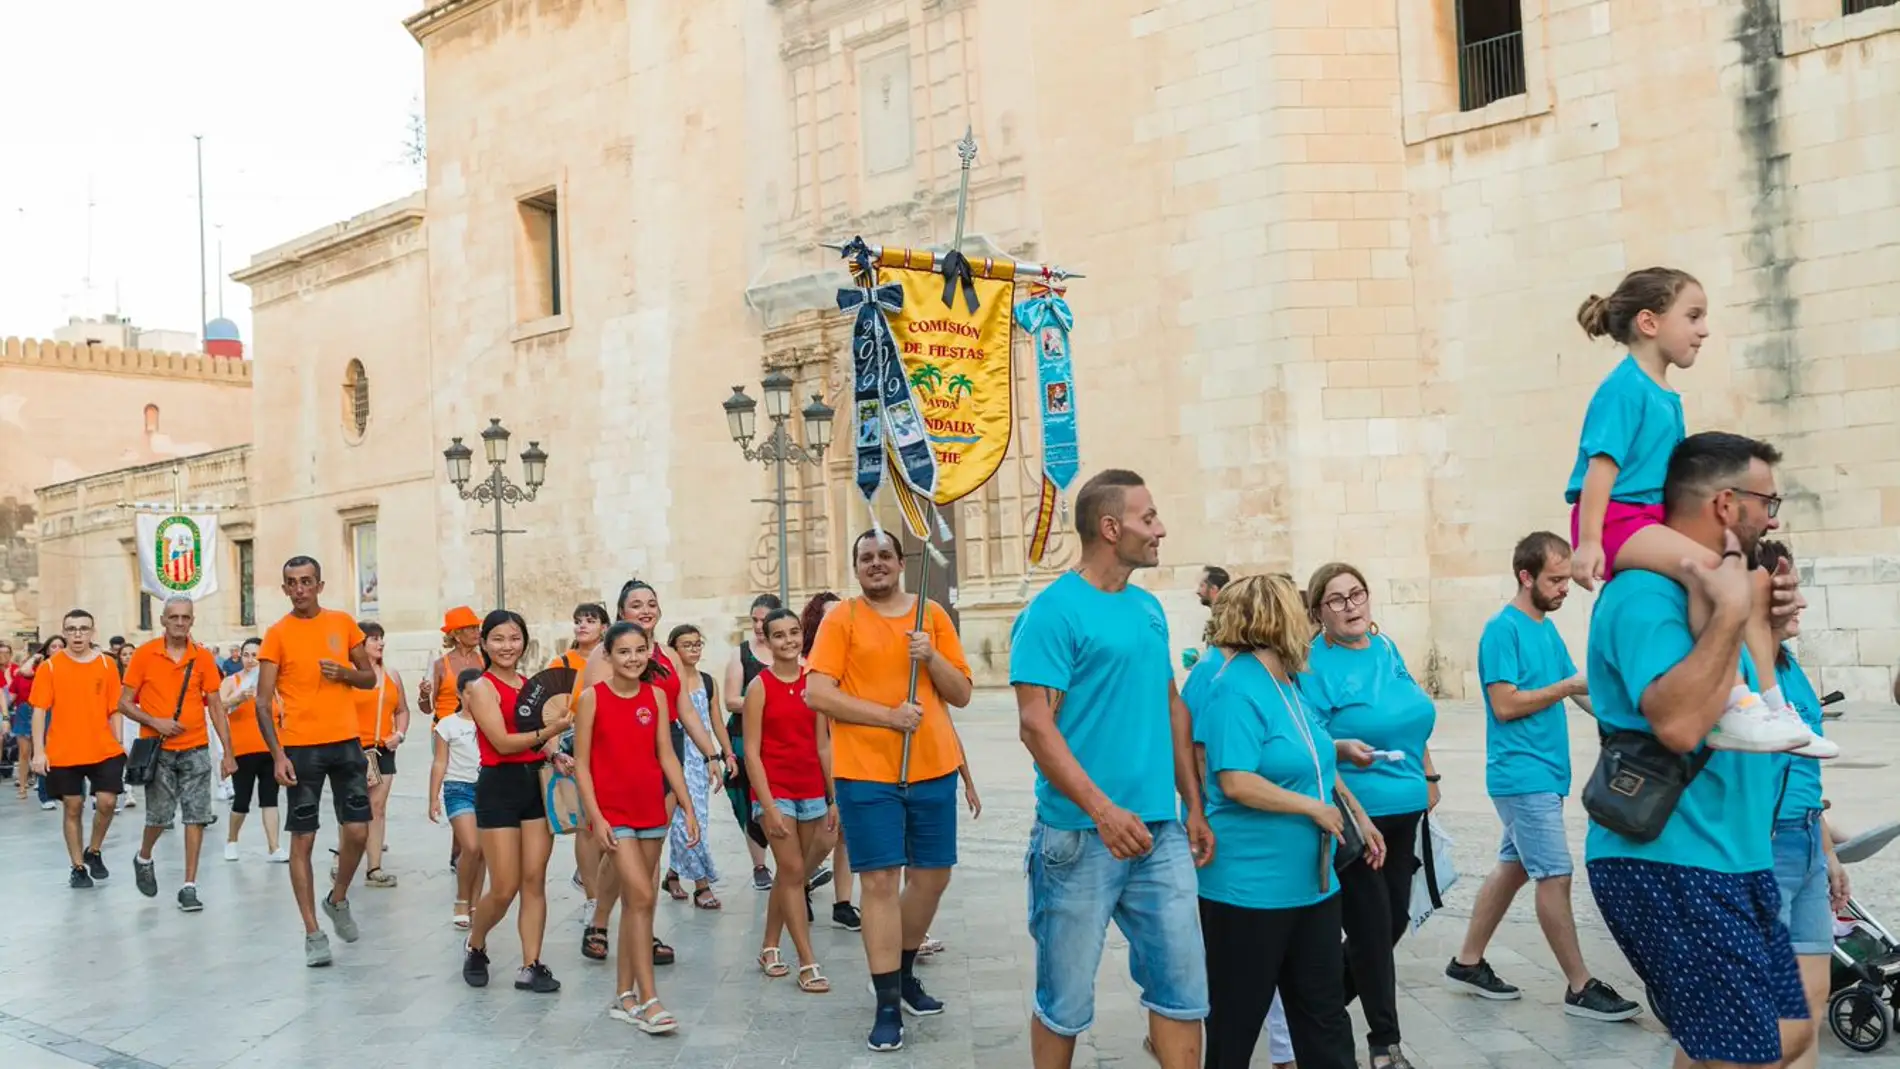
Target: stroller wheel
[(1859, 1019)]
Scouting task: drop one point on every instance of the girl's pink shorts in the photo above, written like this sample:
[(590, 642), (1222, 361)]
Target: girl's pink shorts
[(1620, 521)]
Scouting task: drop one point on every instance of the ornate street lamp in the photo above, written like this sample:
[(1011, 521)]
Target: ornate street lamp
[(497, 487), (778, 449)]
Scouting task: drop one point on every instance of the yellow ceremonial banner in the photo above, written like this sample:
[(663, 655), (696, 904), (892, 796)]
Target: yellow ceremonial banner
[(958, 363)]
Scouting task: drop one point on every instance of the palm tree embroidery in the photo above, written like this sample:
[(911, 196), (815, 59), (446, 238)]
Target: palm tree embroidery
[(926, 378), (961, 384)]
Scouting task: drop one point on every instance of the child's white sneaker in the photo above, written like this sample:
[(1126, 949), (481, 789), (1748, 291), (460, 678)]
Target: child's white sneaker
[(1748, 725)]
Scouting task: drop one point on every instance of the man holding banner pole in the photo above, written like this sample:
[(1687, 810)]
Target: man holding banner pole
[(861, 668)]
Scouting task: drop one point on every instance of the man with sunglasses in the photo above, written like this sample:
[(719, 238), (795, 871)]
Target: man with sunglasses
[(76, 744)]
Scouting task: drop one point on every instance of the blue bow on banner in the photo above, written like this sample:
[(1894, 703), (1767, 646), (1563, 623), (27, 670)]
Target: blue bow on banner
[(1046, 318), (883, 408)]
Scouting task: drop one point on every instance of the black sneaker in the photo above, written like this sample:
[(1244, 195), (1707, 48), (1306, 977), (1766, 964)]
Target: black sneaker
[(846, 916), (145, 876), (1599, 1001), (80, 879), (819, 879), (810, 913), (1481, 981), (97, 866), (475, 967), (761, 878), (536, 978)]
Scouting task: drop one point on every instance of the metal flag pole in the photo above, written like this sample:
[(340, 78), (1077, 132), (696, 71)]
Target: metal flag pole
[(966, 155)]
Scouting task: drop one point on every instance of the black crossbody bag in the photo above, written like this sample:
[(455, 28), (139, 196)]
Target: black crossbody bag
[(1638, 783), (141, 766)]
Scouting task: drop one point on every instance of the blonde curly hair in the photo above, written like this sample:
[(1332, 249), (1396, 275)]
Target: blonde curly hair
[(1262, 612)]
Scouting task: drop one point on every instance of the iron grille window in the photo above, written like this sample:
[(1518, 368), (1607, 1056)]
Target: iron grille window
[(356, 398), (247, 578), (1855, 7), (1490, 52)]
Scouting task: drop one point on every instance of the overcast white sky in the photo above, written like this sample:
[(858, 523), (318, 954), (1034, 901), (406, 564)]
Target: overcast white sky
[(304, 108)]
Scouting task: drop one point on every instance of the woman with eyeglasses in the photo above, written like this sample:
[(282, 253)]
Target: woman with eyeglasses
[(1358, 685)]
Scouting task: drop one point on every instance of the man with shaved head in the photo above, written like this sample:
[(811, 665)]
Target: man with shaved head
[(171, 691)]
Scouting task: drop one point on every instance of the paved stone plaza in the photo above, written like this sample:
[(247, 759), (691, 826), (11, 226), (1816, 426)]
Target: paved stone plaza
[(107, 978)]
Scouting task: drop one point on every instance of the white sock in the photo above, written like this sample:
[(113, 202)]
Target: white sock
[(1774, 698), (1738, 697), (193, 885)]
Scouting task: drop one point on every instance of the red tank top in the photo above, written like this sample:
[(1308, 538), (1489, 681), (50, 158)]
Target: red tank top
[(623, 760), (668, 680), (491, 756), (788, 744)]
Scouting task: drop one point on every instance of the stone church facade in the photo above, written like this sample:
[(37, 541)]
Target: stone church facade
[(1333, 252)]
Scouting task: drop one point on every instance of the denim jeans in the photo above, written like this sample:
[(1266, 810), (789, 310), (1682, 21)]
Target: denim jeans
[(1076, 887), (1801, 874)]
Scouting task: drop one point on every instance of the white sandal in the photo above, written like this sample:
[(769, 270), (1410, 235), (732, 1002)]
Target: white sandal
[(460, 920), (642, 1015)]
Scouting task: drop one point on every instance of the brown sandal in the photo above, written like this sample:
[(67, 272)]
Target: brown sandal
[(705, 899), (672, 886), (594, 944)]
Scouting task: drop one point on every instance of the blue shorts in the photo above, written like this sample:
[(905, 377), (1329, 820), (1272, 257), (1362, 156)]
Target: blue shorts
[(887, 828), (1534, 835), (1719, 971), (799, 809), (1801, 876), (458, 799), (622, 833), (1076, 887), (20, 722)]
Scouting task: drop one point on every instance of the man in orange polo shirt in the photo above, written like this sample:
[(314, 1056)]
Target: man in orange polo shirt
[(79, 747), (309, 665), (860, 678), (171, 689)]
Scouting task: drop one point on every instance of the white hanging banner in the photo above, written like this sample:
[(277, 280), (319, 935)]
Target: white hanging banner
[(178, 554)]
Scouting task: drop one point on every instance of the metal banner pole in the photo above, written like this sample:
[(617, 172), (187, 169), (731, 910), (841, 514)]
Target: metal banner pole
[(966, 155)]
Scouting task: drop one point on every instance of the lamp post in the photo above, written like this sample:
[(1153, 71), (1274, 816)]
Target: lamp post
[(778, 449), (496, 487)]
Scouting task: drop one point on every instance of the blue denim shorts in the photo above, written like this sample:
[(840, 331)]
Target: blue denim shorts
[(1801, 874), (20, 721), (1714, 959), (458, 799), (622, 833), (1076, 887), (1534, 834), (888, 828), (799, 809)]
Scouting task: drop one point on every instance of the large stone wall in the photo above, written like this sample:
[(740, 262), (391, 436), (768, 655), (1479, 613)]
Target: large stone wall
[(1329, 314), (70, 411)]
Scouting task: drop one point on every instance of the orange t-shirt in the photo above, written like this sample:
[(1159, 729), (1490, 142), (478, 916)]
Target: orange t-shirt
[(868, 653), (316, 711), (443, 699), (376, 711), (155, 680), (246, 738), (80, 698)]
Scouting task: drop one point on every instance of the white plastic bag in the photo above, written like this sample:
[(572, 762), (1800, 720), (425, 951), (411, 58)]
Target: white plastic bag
[(1436, 874)]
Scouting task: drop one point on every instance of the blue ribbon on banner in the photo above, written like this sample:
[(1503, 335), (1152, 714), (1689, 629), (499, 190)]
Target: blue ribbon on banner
[(873, 351), (1046, 318)]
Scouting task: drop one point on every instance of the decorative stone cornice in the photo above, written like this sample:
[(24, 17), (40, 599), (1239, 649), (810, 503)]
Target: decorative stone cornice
[(442, 14), (397, 225)]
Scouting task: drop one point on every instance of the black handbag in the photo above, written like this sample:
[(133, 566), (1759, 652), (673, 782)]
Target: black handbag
[(1637, 784), (141, 765), (1352, 842)]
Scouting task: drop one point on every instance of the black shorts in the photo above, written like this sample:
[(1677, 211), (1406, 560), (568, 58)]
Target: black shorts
[(104, 777), (255, 771), (385, 760), (343, 764), (508, 796)]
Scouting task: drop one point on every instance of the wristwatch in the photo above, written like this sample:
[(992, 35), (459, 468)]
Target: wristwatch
[(716, 755)]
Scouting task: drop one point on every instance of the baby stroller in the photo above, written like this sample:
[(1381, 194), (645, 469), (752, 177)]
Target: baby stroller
[(9, 755), (1865, 988)]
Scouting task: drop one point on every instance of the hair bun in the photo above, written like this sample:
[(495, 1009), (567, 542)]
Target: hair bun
[(1593, 315)]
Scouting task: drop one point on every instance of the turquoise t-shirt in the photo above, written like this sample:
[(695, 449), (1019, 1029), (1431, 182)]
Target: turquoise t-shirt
[(1251, 722), (1804, 773), (1637, 422), (1368, 695), (1529, 755), (1108, 655), (1638, 632), (1199, 678)]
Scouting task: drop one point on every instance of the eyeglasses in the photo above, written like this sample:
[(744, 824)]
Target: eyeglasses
[(76, 629), (1771, 502), (694, 646), (1342, 602)]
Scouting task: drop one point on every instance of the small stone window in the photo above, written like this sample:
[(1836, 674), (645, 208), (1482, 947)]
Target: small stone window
[(151, 419), (355, 399)]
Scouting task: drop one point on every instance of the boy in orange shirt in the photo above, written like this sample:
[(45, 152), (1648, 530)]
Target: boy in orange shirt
[(313, 659), (79, 748)]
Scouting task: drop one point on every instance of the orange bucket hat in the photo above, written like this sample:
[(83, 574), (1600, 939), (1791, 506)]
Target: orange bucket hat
[(459, 617)]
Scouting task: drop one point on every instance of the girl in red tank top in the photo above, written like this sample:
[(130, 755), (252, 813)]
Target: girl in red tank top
[(788, 762), (623, 751), (509, 811)]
